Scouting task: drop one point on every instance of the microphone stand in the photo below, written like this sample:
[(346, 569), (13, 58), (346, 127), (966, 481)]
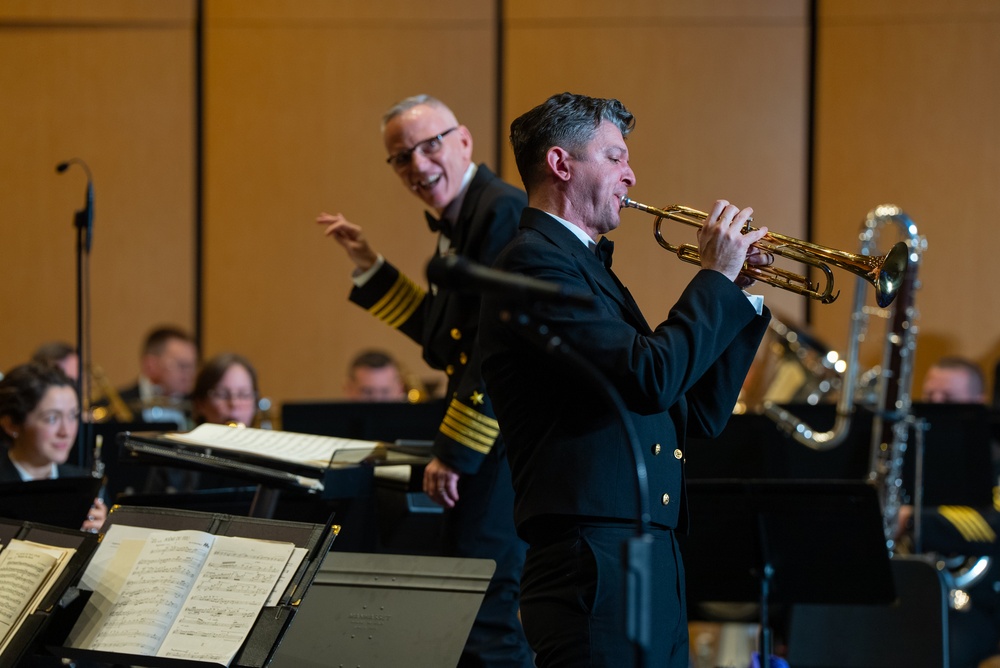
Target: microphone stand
[(83, 222), (638, 550)]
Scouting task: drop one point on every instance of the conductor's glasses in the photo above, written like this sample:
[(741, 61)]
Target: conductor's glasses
[(427, 147)]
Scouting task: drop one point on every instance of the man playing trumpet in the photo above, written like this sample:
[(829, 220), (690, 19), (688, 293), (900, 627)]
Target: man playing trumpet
[(574, 477)]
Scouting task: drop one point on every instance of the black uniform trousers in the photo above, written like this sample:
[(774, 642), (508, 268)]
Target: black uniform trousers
[(573, 599), (474, 530)]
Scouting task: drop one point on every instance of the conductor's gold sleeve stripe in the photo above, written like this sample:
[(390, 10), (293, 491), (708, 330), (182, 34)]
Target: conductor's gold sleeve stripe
[(469, 427), (398, 304)]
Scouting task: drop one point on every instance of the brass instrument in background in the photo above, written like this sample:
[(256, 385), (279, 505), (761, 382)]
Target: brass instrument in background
[(884, 272), (891, 405), (116, 407)]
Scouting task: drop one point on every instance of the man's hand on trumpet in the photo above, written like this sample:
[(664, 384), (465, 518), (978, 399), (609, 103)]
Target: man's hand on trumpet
[(725, 248)]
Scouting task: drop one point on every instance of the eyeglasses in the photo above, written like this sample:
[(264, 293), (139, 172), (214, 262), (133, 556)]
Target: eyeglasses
[(226, 395), (425, 148)]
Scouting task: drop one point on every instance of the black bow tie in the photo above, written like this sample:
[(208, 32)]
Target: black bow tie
[(443, 225), (605, 247)]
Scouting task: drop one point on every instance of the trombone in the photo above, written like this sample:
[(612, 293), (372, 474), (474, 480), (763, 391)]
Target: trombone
[(885, 272)]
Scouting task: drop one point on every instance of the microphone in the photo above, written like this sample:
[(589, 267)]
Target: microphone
[(85, 216), (459, 273)]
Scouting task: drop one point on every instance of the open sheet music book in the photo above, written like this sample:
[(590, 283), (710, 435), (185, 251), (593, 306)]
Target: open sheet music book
[(303, 449), (28, 572), (179, 594)]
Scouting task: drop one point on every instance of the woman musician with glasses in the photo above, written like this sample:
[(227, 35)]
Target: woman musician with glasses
[(225, 392)]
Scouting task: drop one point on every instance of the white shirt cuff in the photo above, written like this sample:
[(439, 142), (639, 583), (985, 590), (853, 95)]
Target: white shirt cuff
[(757, 301), (362, 277)]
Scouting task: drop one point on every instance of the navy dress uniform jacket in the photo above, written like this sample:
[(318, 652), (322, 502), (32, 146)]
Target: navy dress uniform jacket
[(446, 325), (569, 453)]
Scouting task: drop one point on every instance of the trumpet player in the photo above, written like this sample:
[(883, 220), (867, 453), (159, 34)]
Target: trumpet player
[(574, 477)]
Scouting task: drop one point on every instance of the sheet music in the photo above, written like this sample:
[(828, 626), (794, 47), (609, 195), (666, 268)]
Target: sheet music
[(178, 594), (153, 593), (97, 568), (298, 554), (307, 449), (27, 572), (226, 599), (114, 569)]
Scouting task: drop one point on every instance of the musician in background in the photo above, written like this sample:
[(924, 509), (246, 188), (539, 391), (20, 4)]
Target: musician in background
[(61, 354), (167, 370), (954, 380), (474, 213), (975, 630), (39, 418), (225, 391), (374, 375), (574, 473)]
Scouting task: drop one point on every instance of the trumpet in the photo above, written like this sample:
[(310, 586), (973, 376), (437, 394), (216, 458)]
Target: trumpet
[(884, 272)]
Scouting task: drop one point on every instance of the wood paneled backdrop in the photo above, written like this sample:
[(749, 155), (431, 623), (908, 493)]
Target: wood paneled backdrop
[(905, 112)]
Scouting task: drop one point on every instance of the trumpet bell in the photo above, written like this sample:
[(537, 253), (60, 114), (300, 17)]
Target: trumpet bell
[(891, 274)]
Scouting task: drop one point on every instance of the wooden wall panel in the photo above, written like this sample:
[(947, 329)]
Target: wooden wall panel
[(296, 94), (111, 83), (907, 103), (719, 91), (907, 113)]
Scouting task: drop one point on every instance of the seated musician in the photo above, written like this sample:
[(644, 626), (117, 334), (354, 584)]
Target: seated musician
[(39, 419), (974, 630), (225, 392), (374, 375)]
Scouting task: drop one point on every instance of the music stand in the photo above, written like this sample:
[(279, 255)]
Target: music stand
[(121, 475), (383, 611), (957, 458), (62, 502), (386, 421), (787, 541), (408, 521)]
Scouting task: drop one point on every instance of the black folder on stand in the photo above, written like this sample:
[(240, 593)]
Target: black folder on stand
[(347, 475), (62, 502), (785, 541), (62, 591), (386, 611), (822, 540), (271, 622)]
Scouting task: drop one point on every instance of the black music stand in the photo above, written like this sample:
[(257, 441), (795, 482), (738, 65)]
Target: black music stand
[(785, 541), (62, 502), (383, 611), (121, 477), (365, 420)]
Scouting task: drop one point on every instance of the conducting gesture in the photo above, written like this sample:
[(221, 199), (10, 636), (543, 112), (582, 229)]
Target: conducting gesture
[(349, 235)]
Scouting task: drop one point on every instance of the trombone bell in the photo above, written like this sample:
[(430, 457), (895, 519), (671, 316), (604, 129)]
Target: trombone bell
[(884, 272)]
